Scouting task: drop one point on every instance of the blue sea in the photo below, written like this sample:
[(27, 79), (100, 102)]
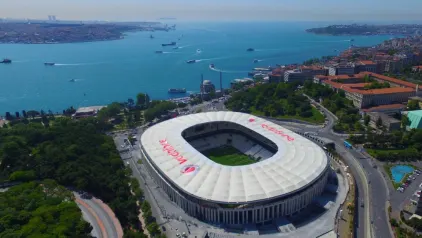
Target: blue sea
[(117, 70)]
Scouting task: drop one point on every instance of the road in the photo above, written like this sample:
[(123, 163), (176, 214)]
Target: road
[(104, 224), (372, 188)]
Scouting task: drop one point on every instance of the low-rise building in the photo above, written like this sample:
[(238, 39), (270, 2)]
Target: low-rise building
[(417, 68), (304, 73), (84, 112), (389, 123), (418, 99), (415, 118), (207, 86), (389, 109), (366, 66), (354, 88), (343, 68)]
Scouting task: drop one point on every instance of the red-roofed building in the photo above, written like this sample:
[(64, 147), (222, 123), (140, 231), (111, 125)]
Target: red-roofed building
[(387, 109), (354, 88), (366, 66)]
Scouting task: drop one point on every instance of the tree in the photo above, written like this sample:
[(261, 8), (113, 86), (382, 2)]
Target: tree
[(142, 99), (153, 229), (42, 209), (379, 122), (413, 105), (405, 121), (366, 120)]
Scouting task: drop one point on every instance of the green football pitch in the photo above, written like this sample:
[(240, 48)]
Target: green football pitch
[(228, 155)]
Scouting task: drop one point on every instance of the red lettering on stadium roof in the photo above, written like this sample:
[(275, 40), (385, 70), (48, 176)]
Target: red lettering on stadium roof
[(172, 152), (281, 133)]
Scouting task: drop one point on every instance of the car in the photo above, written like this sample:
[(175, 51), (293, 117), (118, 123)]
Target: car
[(163, 228), (123, 146), (127, 162)]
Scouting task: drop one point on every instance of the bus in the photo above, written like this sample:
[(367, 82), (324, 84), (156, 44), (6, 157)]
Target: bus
[(347, 144)]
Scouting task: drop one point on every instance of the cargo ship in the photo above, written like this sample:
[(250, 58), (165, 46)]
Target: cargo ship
[(169, 44), (177, 90), (49, 64), (159, 52), (6, 61)]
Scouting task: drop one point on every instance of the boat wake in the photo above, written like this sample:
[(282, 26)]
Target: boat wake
[(67, 64), (79, 64), (226, 71), (267, 49)]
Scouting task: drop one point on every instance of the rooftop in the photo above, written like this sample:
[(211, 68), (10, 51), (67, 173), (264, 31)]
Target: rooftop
[(297, 163), (385, 107)]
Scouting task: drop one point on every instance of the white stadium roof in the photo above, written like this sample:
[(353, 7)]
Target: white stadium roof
[(297, 163)]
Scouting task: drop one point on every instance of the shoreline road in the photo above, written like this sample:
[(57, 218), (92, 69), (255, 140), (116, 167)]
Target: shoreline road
[(101, 217)]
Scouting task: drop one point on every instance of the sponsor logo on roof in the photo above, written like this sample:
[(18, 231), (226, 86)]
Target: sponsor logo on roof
[(278, 132), (172, 152), (189, 169), (251, 119)]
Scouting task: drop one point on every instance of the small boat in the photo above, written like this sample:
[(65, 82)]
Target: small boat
[(250, 49), (72, 80), (352, 40), (212, 66), (159, 52), (151, 37), (191, 61), (49, 64), (255, 61), (176, 48), (177, 90), (198, 51), (6, 61), (169, 44)]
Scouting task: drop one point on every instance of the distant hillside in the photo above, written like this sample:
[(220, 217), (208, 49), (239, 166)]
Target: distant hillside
[(354, 29)]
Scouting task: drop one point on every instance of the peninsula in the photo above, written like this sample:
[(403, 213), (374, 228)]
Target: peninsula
[(355, 29), (55, 33)]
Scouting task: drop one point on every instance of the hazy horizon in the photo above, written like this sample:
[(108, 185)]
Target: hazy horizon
[(217, 10)]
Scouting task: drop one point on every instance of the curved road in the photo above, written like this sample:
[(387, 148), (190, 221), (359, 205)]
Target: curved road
[(372, 218), (103, 221)]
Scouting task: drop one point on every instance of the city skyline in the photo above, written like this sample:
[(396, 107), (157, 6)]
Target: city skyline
[(218, 10)]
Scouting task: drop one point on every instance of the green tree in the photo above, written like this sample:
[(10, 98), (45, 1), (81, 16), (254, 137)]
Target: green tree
[(405, 121), (142, 99), (379, 122), (413, 105), (366, 120), (153, 229)]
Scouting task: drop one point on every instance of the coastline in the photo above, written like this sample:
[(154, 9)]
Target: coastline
[(123, 68)]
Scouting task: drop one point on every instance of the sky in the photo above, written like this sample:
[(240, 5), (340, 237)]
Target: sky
[(216, 10)]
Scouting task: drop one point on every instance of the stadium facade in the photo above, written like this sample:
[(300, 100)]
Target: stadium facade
[(289, 172)]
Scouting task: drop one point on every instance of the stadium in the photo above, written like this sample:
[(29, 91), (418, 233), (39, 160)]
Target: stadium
[(234, 168)]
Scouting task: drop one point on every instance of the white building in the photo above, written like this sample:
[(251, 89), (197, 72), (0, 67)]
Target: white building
[(289, 172)]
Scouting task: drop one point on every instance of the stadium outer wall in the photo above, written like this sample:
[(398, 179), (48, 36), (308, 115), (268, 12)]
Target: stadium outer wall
[(206, 211)]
